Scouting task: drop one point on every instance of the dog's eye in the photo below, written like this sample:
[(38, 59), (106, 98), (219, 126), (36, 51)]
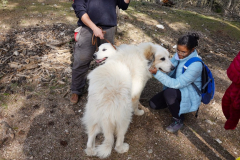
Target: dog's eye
[(162, 59), (104, 49)]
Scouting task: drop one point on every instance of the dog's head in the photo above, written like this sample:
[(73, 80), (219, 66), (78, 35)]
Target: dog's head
[(158, 57), (105, 51)]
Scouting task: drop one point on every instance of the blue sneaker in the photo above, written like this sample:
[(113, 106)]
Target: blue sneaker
[(175, 126)]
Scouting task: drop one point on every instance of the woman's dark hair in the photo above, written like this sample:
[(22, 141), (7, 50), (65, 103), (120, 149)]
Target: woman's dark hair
[(190, 40)]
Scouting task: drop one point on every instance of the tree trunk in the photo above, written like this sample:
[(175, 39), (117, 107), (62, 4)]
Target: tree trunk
[(232, 7), (199, 3), (211, 4), (229, 6)]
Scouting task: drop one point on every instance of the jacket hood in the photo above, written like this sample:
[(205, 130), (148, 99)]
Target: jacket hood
[(233, 70)]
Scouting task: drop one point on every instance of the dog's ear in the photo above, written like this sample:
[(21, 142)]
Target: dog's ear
[(149, 53)]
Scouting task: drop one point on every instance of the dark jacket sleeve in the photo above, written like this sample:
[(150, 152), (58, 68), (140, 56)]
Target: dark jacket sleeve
[(233, 70), (80, 7), (122, 5)]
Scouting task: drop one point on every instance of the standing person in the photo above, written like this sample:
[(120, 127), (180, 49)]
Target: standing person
[(180, 96), (92, 14), (231, 98)]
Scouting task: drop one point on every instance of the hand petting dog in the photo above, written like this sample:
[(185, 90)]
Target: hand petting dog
[(153, 70)]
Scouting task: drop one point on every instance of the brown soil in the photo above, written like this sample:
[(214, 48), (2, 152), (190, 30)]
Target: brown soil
[(37, 120)]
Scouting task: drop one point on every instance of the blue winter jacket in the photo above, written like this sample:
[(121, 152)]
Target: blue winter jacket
[(190, 100)]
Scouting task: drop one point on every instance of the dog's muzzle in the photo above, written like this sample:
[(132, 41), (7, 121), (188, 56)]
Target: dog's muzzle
[(172, 68)]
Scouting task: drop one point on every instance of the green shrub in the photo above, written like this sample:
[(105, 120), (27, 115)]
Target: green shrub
[(4, 3)]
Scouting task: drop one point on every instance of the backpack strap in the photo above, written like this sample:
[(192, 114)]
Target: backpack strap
[(190, 61), (197, 89)]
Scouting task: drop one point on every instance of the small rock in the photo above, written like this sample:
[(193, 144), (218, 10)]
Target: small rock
[(218, 140), (160, 26), (63, 143), (15, 53), (66, 131), (209, 122), (150, 151), (175, 46)]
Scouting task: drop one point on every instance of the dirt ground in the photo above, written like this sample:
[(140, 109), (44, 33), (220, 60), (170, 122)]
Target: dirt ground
[(37, 120)]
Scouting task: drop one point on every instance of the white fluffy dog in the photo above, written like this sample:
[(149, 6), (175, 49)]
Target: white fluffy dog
[(114, 92)]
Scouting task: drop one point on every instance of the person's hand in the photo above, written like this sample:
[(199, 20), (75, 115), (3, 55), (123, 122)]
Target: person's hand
[(153, 70), (98, 33), (88, 22)]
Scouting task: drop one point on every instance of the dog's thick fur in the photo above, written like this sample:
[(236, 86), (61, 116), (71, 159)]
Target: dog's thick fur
[(114, 92)]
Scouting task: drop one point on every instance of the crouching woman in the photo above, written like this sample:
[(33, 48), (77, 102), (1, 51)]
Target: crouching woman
[(179, 96)]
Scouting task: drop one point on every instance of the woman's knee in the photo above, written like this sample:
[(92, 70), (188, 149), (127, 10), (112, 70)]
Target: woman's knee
[(152, 105), (170, 95)]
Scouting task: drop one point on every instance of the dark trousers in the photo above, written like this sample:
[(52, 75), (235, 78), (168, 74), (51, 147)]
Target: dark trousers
[(83, 52), (170, 98)]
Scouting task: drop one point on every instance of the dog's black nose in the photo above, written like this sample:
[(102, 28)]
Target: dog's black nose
[(172, 68), (94, 56)]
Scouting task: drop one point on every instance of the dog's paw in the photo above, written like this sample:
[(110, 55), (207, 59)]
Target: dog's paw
[(123, 148), (90, 151), (139, 112), (104, 150)]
